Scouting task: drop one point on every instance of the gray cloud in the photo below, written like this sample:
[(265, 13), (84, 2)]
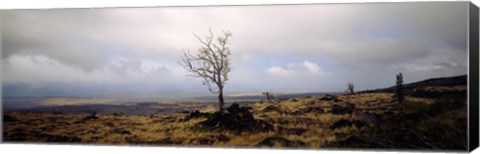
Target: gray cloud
[(365, 43), (53, 33)]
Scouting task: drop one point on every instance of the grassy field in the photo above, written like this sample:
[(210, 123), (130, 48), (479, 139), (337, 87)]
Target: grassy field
[(362, 120)]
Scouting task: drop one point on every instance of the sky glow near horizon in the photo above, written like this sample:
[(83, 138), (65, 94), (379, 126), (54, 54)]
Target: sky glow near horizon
[(134, 52)]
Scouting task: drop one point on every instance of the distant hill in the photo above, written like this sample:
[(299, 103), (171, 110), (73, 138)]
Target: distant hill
[(442, 81)]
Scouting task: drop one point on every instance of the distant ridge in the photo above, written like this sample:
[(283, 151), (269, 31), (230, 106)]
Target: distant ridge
[(441, 81)]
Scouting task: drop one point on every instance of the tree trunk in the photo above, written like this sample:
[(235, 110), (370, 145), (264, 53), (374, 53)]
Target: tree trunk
[(220, 101)]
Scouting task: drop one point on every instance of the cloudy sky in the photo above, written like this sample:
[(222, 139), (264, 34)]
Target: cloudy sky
[(287, 48)]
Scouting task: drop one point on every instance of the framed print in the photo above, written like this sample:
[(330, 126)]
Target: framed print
[(381, 76)]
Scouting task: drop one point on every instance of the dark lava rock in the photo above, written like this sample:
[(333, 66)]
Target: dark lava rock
[(354, 139), (388, 113), (56, 112), (311, 102), (134, 139), (348, 108), (167, 141), (271, 141), (204, 141), (337, 109), (240, 123), (16, 136), (340, 135), (313, 109), (208, 140), (234, 108), (237, 119), (92, 116), (22, 135), (292, 131), (271, 108), (329, 98), (248, 107), (344, 123), (9, 118), (108, 124), (123, 132), (223, 138), (58, 138), (197, 114), (369, 117), (184, 111), (194, 115)]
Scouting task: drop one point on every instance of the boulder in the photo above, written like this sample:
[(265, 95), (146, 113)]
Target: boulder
[(234, 108), (237, 119)]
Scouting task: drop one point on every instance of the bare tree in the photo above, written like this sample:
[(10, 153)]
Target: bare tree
[(268, 95), (211, 63), (350, 88)]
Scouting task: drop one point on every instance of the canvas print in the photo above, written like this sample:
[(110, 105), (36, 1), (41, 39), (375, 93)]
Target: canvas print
[(318, 76)]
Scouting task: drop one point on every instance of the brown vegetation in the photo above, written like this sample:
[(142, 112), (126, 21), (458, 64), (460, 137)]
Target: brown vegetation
[(363, 120)]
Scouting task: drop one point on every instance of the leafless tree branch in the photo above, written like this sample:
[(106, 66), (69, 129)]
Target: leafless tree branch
[(211, 63)]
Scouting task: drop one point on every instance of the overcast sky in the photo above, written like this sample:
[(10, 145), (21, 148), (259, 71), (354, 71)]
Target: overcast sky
[(286, 48)]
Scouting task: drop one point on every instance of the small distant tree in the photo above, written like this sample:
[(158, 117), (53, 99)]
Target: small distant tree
[(211, 63), (268, 95), (92, 115), (399, 90), (350, 88)]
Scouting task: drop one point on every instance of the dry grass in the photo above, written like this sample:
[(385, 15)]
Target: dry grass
[(171, 129)]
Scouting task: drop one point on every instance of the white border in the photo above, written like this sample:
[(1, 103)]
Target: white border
[(45, 4), (52, 149)]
